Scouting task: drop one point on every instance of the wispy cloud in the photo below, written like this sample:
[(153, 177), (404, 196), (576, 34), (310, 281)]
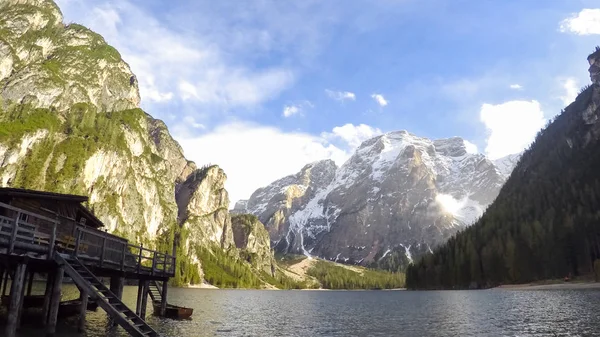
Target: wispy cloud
[(340, 95), (290, 110), (380, 99), (352, 135), (586, 22), (516, 86)]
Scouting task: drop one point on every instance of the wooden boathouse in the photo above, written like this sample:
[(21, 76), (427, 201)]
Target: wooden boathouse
[(54, 236)]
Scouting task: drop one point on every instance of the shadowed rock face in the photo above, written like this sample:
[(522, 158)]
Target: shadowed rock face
[(397, 192)]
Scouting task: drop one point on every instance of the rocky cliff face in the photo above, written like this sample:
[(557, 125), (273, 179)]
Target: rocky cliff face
[(397, 193), (253, 241), (70, 122)]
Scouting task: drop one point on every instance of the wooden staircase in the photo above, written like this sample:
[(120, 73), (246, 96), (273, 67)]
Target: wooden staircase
[(155, 291), (108, 301)]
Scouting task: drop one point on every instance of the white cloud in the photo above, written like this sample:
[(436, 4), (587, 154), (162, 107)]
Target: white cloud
[(516, 86), (181, 64), (379, 99), (586, 22), (353, 135), (241, 149), (511, 126), (570, 87), (341, 95), (290, 110), (470, 147)]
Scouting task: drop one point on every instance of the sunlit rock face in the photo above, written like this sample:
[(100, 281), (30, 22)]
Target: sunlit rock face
[(398, 192)]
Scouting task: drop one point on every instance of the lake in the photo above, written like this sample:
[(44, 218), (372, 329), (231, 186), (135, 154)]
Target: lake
[(365, 313)]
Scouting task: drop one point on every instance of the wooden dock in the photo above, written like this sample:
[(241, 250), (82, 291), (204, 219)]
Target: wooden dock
[(53, 235)]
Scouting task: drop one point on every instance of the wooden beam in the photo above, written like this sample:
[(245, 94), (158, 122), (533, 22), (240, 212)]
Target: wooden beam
[(54, 304), (5, 282), (16, 298), (82, 310)]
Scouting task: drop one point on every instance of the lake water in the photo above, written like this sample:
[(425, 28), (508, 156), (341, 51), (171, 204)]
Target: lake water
[(365, 313)]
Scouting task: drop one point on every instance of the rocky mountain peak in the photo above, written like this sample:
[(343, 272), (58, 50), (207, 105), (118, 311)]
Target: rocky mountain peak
[(397, 193), (47, 64), (594, 69)]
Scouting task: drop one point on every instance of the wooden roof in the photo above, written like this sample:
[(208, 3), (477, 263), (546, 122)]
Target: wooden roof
[(20, 192)]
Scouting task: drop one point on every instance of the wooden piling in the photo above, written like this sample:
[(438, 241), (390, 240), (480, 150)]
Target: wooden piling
[(55, 302), (47, 298), (140, 293), (163, 299), (144, 300), (5, 282), (30, 284), (2, 271), (16, 298), (83, 297), (22, 294), (116, 287)]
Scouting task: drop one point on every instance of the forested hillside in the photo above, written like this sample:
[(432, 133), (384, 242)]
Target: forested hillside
[(545, 223)]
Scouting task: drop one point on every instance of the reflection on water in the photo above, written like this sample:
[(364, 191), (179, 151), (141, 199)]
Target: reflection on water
[(362, 313)]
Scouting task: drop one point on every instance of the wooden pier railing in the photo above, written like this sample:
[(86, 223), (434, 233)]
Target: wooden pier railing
[(27, 231)]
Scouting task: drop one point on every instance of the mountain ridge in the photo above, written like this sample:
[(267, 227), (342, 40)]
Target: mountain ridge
[(302, 212)]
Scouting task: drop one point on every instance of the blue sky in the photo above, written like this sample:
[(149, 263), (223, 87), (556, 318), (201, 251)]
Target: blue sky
[(262, 87)]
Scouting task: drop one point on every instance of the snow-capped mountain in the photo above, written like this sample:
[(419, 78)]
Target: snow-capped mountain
[(398, 192)]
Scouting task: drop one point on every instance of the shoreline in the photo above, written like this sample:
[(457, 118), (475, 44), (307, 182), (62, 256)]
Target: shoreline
[(551, 286)]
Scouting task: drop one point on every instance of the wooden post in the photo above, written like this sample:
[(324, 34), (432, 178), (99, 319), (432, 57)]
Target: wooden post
[(77, 241), (123, 250), (2, 271), (153, 263), (163, 299), (55, 302), (47, 298), (13, 235), (16, 298), (140, 258), (140, 293), (30, 284), (116, 287), (52, 242), (22, 294), (103, 251), (83, 296), (144, 300)]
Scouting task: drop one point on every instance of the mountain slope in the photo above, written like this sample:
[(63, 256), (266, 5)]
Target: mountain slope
[(399, 195), (70, 122), (544, 223)]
